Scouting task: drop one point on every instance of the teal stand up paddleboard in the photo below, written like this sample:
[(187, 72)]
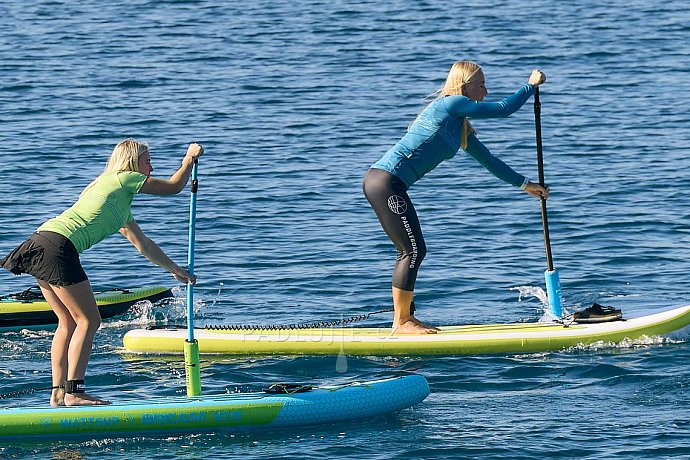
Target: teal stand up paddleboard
[(231, 412)]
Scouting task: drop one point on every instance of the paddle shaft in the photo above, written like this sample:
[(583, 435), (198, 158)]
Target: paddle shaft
[(540, 165), (553, 282), (191, 346), (190, 251)]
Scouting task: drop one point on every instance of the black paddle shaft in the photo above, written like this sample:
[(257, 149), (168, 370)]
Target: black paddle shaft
[(540, 165)]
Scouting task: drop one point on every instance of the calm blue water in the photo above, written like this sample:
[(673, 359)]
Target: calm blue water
[(293, 101)]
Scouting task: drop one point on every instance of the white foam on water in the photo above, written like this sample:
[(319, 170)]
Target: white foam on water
[(537, 292)]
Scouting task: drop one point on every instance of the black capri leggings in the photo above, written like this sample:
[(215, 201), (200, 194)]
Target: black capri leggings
[(388, 196)]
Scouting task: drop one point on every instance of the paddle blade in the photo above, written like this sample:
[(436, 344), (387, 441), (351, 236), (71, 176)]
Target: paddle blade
[(553, 290), (191, 367)]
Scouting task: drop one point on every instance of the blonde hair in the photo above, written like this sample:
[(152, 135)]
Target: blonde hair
[(461, 73), (125, 156)]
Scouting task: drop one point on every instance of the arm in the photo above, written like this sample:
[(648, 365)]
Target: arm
[(177, 181), (462, 106), (149, 249), (493, 164), (501, 170)]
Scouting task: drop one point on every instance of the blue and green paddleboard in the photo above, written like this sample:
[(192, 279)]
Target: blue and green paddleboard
[(451, 340), (29, 309), (230, 412)]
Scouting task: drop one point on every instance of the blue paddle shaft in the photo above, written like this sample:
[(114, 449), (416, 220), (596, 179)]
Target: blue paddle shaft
[(190, 252)]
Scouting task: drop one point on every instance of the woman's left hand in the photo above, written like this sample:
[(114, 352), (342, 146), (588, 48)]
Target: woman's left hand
[(537, 190)]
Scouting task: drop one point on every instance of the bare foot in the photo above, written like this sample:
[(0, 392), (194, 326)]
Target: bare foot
[(58, 397), (412, 327), (83, 399), (416, 321)]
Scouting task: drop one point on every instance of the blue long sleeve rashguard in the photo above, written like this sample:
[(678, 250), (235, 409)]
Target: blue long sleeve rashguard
[(436, 136)]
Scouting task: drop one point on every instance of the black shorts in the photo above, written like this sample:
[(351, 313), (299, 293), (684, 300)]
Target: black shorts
[(49, 257)]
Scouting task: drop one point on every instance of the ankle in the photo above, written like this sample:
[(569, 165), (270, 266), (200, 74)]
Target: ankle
[(75, 386)]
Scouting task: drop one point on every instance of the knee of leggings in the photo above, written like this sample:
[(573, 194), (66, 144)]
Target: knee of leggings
[(421, 251), (417, 253)]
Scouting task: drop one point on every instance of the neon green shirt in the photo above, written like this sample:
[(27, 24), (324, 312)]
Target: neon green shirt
[(102, 209)]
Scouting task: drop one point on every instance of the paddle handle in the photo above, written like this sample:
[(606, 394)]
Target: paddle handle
[(540, 166)]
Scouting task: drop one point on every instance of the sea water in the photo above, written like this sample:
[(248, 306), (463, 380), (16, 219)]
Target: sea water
[(293, 100)]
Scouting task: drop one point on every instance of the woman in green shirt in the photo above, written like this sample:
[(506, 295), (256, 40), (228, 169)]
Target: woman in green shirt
[(51, 254)]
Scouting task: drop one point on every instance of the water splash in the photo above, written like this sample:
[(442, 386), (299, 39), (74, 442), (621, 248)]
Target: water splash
[(532, 291), (640, 342), (540, 294), (166, 311), (220, 288)]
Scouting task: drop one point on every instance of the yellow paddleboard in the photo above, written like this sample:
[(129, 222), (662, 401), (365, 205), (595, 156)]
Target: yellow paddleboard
[(29, 308), (451, 340)]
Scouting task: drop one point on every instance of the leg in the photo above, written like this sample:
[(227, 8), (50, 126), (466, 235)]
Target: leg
[(60, 345), (388, 197), (80, 304), (411, 251), (404, 321)]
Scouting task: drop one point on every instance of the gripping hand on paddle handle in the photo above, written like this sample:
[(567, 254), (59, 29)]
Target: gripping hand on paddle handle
[(537, 190), (183, 276), (537, 78), (194, 151)]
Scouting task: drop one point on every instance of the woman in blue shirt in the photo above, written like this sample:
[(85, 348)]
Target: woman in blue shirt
[(437, 134)]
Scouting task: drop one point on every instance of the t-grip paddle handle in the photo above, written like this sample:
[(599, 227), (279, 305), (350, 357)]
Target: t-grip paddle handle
[(553, 282)]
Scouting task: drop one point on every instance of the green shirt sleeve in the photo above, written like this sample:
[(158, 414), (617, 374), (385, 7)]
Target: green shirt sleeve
[(131, 182)]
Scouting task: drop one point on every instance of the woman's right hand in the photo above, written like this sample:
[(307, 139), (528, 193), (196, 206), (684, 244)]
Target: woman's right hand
[(194, 151), (537, 77), (183, 276), (537, 190)]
